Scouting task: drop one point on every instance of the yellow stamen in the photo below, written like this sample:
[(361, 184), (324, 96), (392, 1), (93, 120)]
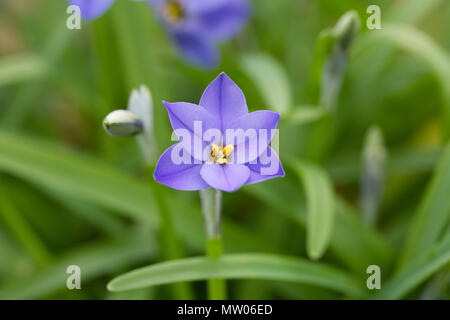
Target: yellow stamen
[(221, 161), (228, 150), (215, 150), (173, 11), (220, 154)]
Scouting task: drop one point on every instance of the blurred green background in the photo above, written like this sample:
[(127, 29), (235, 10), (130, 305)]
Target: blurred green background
[(70, 194)]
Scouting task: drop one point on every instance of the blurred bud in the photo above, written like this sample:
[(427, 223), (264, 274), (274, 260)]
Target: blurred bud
[(337, 44), (141, 103), (138, 119), (346, 29), (372, 179), (374, 151), (123, 123)]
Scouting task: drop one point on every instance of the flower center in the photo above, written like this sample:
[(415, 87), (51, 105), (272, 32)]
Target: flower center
[(220, 154), (173, 11)]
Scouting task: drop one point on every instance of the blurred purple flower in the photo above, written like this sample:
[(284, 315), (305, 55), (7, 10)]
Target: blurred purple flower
[(91, 9), (225, 162), (197, 26)]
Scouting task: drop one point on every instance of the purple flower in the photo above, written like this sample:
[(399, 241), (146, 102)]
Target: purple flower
[(91, 9), (197, 26), (221, 144)]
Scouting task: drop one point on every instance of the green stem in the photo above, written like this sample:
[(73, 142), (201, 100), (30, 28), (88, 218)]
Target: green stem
[(216, 287), (211, 206), (171, 248)]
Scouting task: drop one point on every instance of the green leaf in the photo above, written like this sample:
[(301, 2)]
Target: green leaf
[(354, 243), (419, 271), (422, 46), (16, 255), (81, 177), (432, 215), (97, 217), (320, 207), (271, 80), (239, 266), (414, 11), (24, 233), (21, 68), (305, 114), (97, 259)]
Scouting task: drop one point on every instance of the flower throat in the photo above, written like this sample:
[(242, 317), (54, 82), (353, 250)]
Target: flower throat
[(220, 155), (173, 11)]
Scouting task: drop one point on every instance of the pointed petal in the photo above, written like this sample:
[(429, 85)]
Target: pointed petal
[(91, 9), (251, 134), (225, 99), (196, 48), (190, 121), (178, 176), (225, 20), (228, 177), (267, 167), (196, 7)]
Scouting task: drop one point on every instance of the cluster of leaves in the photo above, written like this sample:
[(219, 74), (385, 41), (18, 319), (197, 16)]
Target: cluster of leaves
[(70, 195)]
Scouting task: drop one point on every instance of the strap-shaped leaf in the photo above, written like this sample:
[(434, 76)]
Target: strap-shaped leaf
[(415, 274), (432, 216), (99, 258), (61, 169), (240, 266), (21, 68), (320, 207), (270, 79), (423, 47)]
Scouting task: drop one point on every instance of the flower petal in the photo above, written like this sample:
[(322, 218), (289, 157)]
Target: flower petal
[(196, 48), (227, 177), (190, 121), (91, 9), (178, 176), (196, 7), (251, 134), (225, 20), (224, 98), (267, 167)]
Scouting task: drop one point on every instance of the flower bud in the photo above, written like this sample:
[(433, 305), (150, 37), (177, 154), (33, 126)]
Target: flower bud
[(346, 29), (337, 43), (123, 123), (141, 104), (372, 179)]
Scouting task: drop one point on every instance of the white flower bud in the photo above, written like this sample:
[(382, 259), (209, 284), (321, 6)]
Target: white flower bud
[(141, 104), (123, 123), (136, 120)]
